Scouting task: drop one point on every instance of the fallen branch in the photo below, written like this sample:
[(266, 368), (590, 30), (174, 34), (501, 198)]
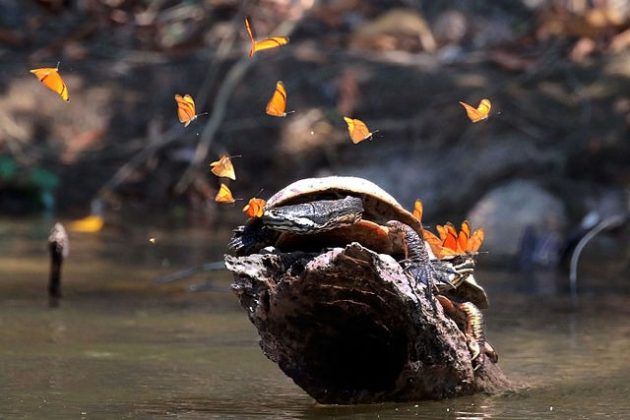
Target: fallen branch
[(349, 327), (610, 222)]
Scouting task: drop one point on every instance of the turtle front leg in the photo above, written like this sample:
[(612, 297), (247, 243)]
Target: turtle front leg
[(451, 276), (416, 261), (251, 238), (470, 320)]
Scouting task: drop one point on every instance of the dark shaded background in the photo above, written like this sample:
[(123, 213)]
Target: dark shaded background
[(555, 149)]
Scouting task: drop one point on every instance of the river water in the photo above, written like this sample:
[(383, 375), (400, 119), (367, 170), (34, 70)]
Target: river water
[(119, 345)]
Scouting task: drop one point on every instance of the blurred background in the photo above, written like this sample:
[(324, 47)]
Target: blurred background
[(550, 164), (555, 149)]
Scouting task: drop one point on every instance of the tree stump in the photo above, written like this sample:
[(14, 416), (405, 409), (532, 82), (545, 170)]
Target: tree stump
[(348, 326)]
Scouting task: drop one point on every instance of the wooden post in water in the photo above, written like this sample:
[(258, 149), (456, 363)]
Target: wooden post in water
[(58, 246)]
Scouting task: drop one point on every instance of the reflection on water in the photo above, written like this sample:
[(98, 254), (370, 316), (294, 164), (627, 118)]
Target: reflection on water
[(121, 346)]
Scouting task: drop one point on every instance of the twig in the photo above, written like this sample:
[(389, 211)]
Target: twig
[(138, 159), (615, 220), (59, 249)]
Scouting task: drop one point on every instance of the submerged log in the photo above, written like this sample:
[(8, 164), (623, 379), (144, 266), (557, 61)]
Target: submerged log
[(348, 326)]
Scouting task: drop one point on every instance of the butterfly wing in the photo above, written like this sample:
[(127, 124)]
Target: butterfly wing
[(442, 232), (484, 107), (451, 242), (357, 129), (477, 114), (224, 195), (277, 105), (263, 44), (269, 43), (450, 229), (223, 168), (434, 242), (250, 33), (50, 77), (185, 109), (476, 239), (255, 207), (418, 209), (462, 241), (90, 224), (466, 227)]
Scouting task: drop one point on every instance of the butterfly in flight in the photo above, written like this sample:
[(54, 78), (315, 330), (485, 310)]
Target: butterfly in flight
[(90, 224), (223, 167), (358, 130), (186, 109), (255, 207), (480, 113), (50, 78), (277, 105), (263, 44), (224, 195)]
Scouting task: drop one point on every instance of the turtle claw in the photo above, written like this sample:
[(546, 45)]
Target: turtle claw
[(475, 350), (490, 352), (268, 250), (248, 238), (423, 274), (477, 358)]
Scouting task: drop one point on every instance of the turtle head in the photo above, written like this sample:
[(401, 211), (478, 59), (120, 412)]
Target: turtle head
[(251, 238), (314, 216)]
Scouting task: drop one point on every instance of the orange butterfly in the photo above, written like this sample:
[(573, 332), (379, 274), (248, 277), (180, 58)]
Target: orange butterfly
[(186, 109), (50, 77), (263, 44), (277, 105), (358, 130), (451, 243), (480, 113), (255, 207), (90, 224), (223, 167), (224, 195), (418, 209)]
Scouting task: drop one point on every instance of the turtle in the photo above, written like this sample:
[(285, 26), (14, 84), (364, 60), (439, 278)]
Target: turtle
[(317, 213)]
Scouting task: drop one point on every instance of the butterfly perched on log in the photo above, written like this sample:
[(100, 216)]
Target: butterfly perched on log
[(480, 113), (255, 207), (263, 44), (50, 77), (451, 243)]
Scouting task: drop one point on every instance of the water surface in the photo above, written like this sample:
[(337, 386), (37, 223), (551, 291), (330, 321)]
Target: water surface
[(119, 345)]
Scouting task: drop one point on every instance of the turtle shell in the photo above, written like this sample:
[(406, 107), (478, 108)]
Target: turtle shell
[(379, 208), (378, 205)]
